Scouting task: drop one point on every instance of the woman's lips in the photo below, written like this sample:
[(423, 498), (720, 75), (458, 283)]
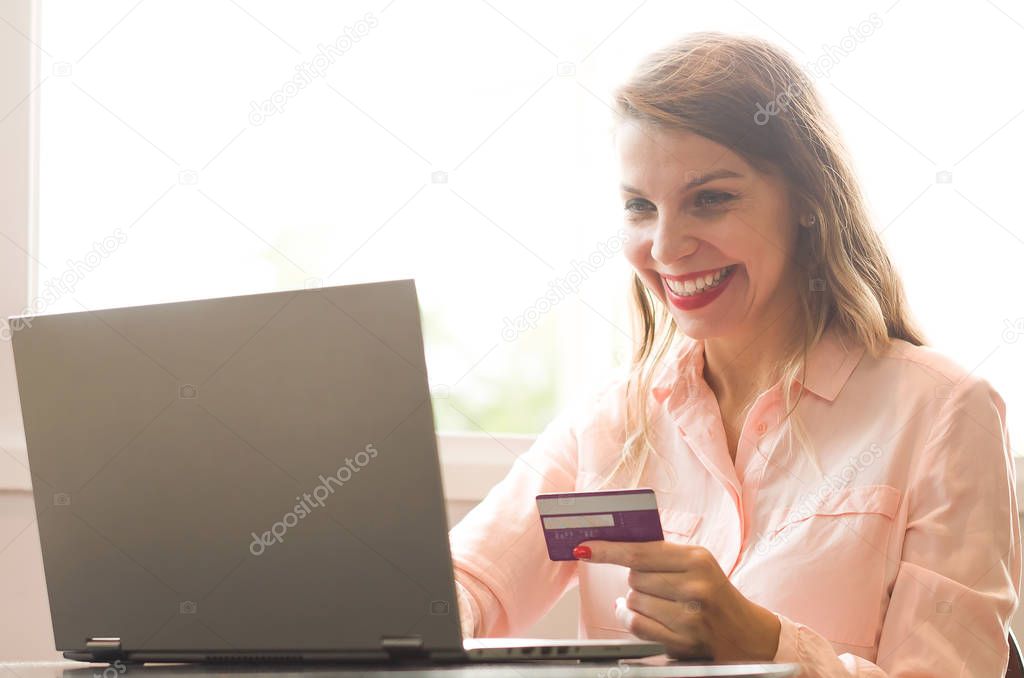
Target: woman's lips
[(702, 298)]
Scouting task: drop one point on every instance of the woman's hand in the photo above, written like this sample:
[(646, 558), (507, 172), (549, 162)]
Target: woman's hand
[(466, 610), (679, 597)]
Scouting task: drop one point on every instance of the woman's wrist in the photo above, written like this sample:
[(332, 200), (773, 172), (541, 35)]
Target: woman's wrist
[(766, 641), (467, 610), (748, 632)]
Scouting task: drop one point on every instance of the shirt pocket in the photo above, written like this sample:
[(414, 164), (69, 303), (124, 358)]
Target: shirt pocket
[(832, 555), (679, 526)]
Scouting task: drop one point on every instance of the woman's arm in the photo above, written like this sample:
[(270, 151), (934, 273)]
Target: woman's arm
[(503, 574), (960, 571)]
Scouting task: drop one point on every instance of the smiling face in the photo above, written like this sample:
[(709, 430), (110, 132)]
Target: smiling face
[(711, 236)]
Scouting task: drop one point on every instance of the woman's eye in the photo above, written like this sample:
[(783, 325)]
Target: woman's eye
[(710, 199), (705, 200), (636, 206)]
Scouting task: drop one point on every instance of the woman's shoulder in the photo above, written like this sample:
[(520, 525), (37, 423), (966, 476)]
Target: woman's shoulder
[(929, 360), (934, 372)]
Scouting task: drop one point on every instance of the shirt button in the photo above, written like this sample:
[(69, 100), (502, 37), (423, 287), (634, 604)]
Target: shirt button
[(761, 428)]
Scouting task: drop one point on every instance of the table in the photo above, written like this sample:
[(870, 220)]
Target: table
[(658, 668)]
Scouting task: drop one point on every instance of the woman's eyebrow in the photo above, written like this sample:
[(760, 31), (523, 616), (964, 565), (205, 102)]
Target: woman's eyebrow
[(698, 181)]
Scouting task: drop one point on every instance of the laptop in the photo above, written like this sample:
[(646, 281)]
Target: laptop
[(248, 478)]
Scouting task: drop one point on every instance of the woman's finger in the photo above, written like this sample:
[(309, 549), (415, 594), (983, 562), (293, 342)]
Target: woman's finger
[(669, 585), (646, 628), (680, 617)]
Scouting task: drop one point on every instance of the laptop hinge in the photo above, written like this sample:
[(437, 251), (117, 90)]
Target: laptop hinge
[(404, 647), (104, 649)]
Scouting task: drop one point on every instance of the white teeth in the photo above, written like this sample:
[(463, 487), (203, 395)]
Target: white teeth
[(696, 286)]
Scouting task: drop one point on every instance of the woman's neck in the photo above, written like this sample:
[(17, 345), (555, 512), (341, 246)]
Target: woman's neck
[(739, 366)]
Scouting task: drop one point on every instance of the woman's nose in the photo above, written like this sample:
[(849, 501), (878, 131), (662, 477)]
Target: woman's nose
[(671, 243)]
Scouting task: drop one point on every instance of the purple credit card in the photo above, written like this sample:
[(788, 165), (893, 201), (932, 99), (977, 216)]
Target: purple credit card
[(614, 515)]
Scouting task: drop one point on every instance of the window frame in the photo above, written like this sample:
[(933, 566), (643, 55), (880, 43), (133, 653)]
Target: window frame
[(19, 135)]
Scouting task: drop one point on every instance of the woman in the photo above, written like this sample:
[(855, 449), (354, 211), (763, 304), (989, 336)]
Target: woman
[(832, 492)]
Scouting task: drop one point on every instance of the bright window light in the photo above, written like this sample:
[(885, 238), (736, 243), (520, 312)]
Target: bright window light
[(196, 149)]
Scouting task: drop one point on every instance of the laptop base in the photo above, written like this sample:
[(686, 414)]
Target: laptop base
[(476, 650)]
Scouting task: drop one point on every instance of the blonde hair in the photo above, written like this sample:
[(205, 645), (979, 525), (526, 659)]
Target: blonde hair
[(751, 97)]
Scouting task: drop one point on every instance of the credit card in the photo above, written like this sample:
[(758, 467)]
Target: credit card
[(613, 515)]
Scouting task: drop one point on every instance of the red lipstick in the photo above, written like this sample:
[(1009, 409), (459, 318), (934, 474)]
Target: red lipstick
[(700, 299)]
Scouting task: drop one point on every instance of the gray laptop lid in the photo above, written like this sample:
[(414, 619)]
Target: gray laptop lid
[(246, 473)]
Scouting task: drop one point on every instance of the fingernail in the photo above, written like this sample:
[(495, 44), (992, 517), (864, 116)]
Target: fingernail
[(581, 553)]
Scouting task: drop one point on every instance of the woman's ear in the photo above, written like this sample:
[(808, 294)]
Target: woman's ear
[(808, 218), (805, 209)]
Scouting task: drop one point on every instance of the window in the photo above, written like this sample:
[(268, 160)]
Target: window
[(206, 148)]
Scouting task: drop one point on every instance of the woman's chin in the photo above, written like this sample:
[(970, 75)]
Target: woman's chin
[(701, 328)]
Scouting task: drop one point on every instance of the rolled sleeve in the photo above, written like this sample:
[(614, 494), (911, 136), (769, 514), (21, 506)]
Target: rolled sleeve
[(498, 549), (787, 650)]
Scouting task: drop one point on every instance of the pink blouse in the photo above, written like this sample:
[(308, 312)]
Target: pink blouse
[(900, 557)]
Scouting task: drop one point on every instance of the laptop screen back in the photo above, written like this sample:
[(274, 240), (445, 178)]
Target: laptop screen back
[(246, 473)]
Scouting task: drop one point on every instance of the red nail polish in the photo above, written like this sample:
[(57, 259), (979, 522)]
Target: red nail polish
[(581, 553)]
